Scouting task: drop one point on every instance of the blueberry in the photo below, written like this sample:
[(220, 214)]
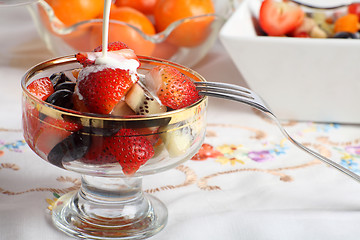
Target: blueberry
[(345, 35), (57, 78), (108, 128), (61, 98), (70, 149), (65, 85)]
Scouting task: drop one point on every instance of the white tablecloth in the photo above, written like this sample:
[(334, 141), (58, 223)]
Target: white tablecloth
[(253, 184)]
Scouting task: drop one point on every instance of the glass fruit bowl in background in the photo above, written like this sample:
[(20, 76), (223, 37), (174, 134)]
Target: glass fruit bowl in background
[(109, 204), (163, 33)]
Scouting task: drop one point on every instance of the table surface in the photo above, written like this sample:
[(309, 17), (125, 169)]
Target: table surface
[(252, 184)]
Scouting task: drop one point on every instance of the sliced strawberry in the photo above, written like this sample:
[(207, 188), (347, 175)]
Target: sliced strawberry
[(101, 88), (41, 88), (301, 35), (354, 8), (103, 82), (151, 134), (113, 46), (88, 58), (31, 123), (98, 152), (130, 149), (127, 147), (83, 59), (174, 89), (278, 18), (51, 132)]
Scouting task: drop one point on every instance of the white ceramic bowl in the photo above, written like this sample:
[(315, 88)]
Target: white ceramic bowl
[(300, 78)]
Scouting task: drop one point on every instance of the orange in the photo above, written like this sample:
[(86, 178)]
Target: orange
[(145, 6), (73, 11), (190, 33), (347, 23), (77, 39), (127, 34)]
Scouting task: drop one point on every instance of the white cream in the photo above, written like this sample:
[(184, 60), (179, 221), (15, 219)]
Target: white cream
[(105, 26), (122, 59), (114, 60)]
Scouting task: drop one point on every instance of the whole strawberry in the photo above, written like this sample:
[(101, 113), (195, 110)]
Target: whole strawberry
[(174, 89)]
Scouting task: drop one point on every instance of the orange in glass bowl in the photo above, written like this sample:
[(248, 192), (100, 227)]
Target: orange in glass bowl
[(185, 40)]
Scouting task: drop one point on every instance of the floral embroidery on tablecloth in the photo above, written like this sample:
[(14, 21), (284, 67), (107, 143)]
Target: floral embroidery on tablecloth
[(13, 146), (52, 201), (233, 154), (350, 157), (319, 128)]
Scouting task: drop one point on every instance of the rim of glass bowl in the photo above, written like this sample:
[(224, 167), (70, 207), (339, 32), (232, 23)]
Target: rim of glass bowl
[(323, 8), (59, 28), (308, 8), (180, 114)]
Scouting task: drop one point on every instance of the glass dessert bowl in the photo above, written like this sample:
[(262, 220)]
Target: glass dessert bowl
[(110, 204), (63, 39)]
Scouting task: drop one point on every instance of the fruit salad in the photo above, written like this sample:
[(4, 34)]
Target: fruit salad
[(113, 113), (286, 19)]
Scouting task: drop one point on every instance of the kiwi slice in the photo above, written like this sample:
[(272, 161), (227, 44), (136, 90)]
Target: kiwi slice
[(141, 101)]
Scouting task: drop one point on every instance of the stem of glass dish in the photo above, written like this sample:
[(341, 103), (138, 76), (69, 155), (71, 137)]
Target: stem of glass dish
[(110, 208), (123, 196)]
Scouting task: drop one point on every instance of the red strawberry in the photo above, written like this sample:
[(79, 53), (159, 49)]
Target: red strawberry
[(51, 132), (87, 59), (127, 147), (130, 149), (113, 46), (31, 123), (102, 88), (98, 152), (174, 89), (41, 88), (83, 59), (151, 134)]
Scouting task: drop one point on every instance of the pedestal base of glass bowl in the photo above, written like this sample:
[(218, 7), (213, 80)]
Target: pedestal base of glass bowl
[(110, 208)]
